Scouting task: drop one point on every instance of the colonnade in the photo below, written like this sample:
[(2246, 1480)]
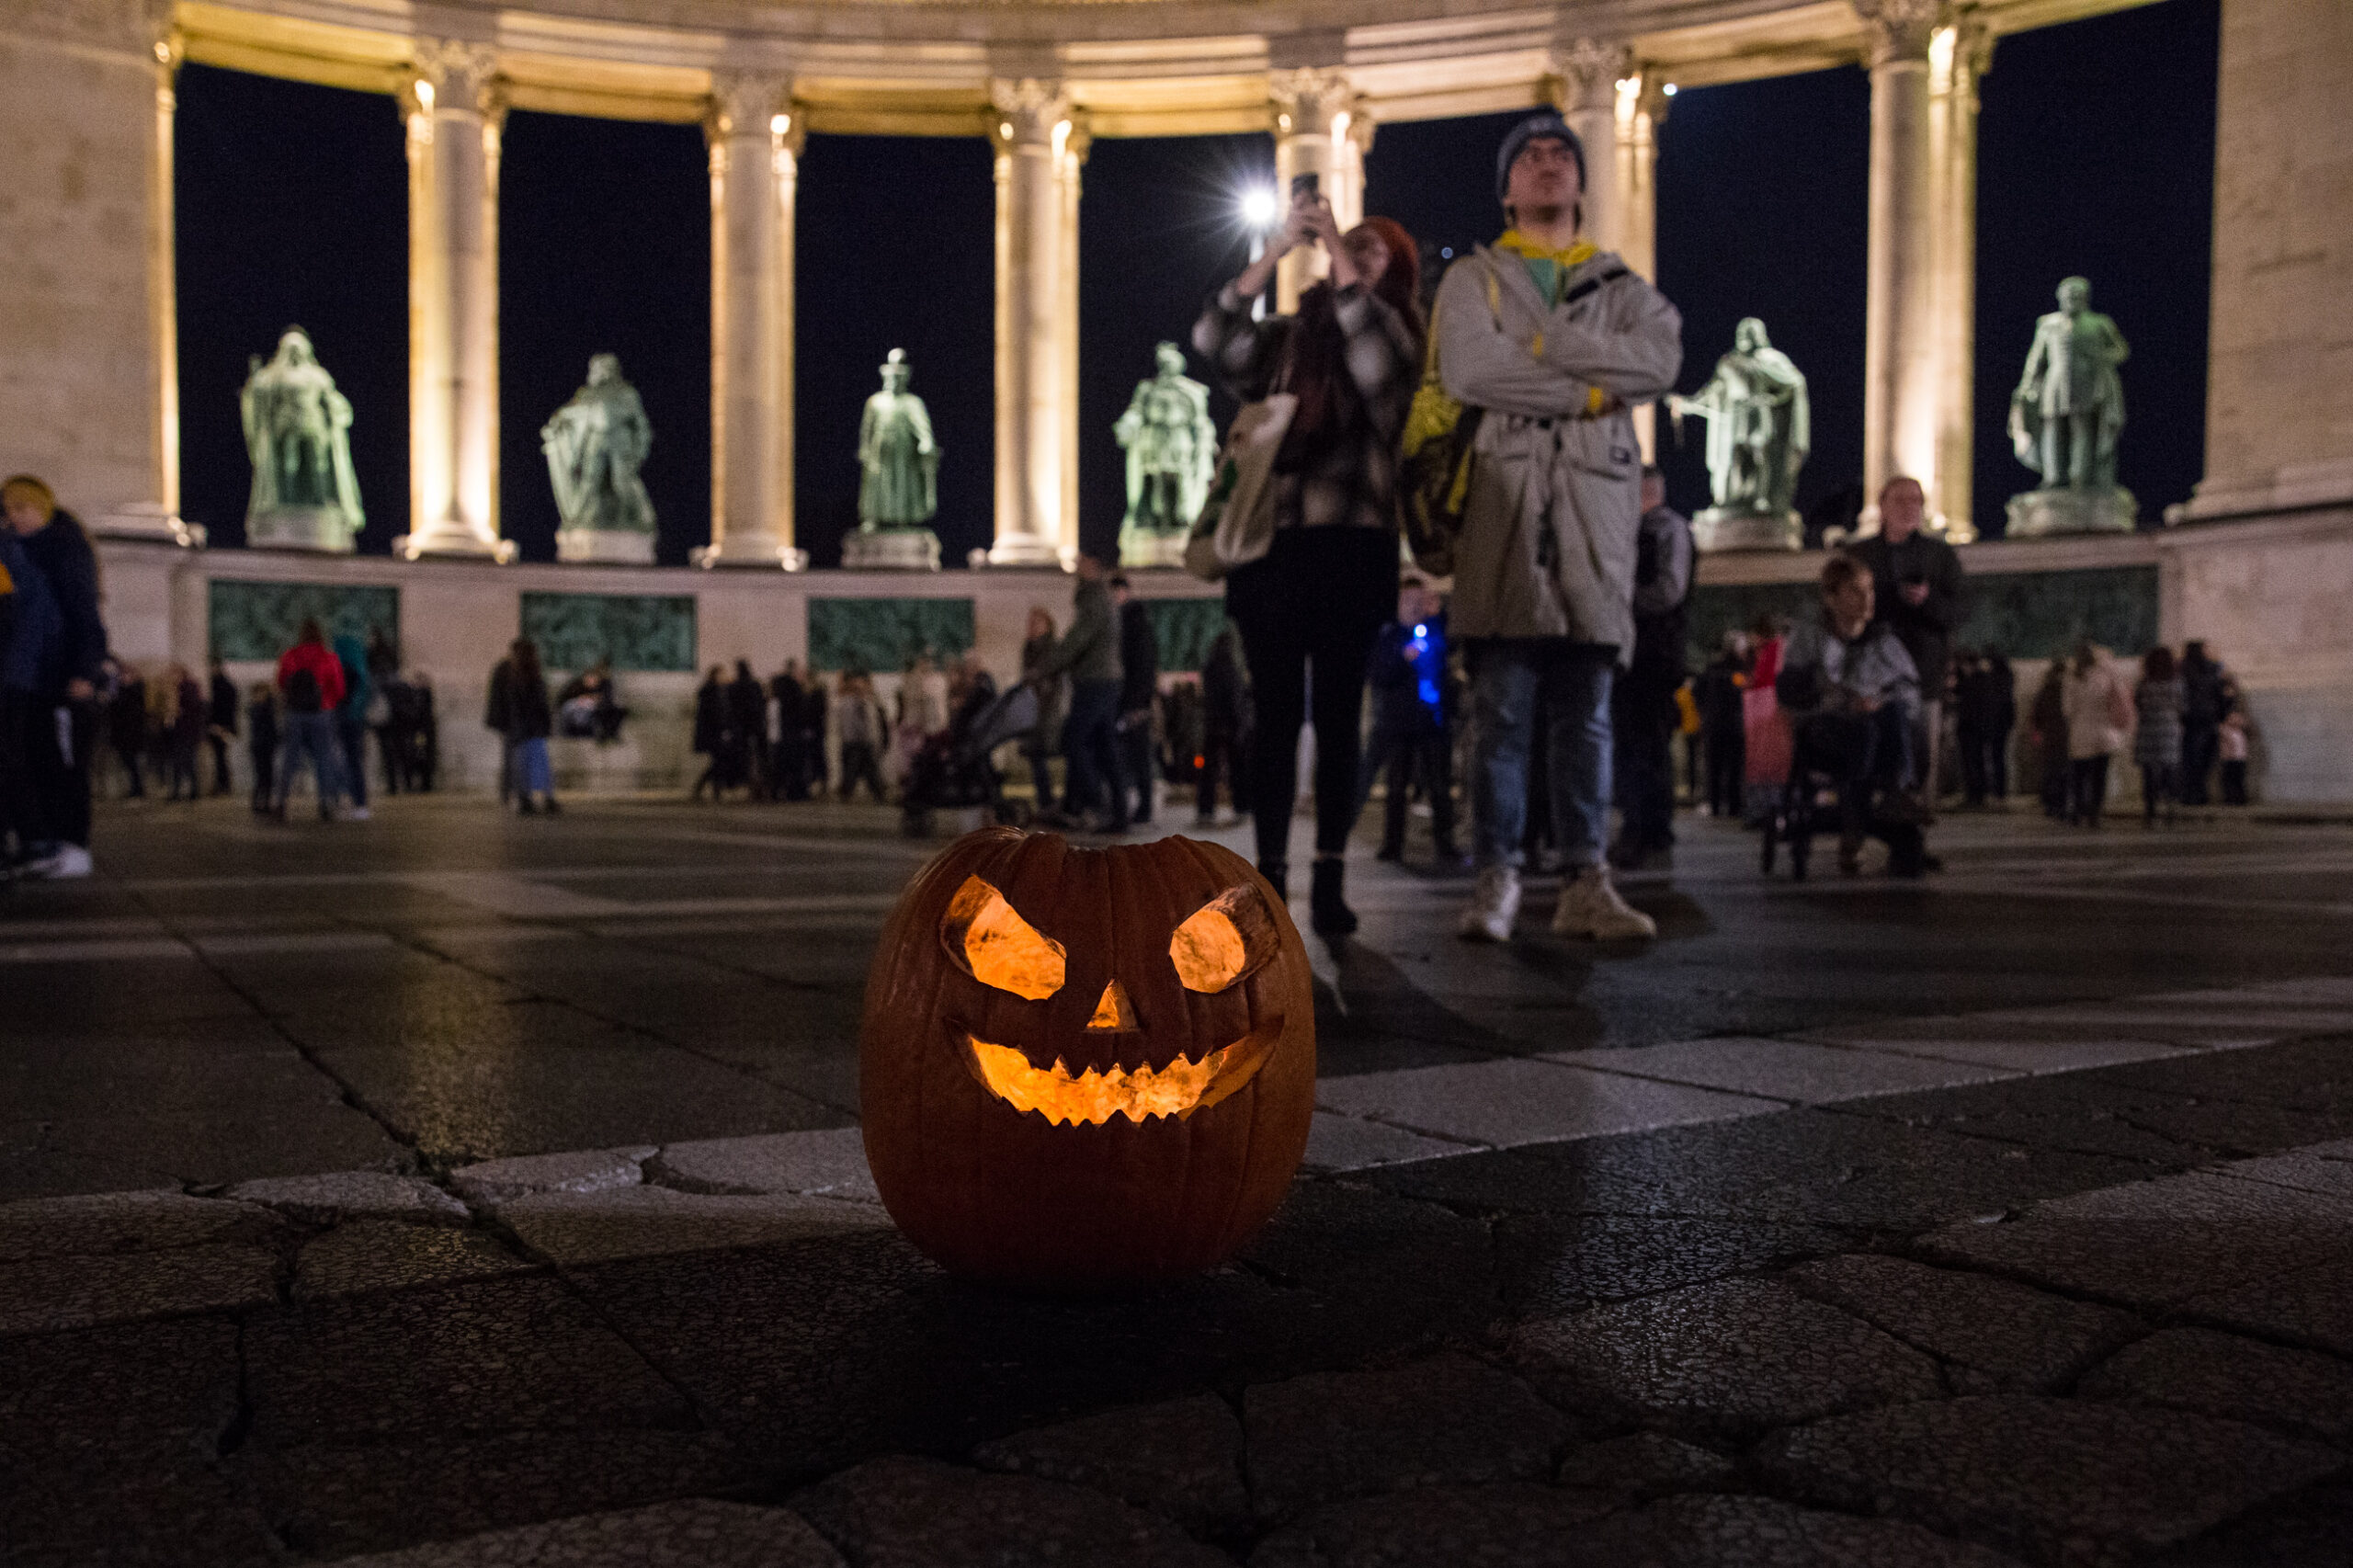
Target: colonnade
[(1924, 60)]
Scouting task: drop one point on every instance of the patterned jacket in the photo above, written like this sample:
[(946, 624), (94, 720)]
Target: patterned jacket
[(1354, 477)]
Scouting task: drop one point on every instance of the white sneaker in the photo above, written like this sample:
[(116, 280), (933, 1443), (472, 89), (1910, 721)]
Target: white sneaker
[(1590, 906), (1494, 906), (70, 861)]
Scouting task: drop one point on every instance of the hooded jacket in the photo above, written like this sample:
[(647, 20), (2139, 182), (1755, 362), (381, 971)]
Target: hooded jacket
[(1554, 502)]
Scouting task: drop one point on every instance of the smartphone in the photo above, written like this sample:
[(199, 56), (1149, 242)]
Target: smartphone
[(1306, 186)]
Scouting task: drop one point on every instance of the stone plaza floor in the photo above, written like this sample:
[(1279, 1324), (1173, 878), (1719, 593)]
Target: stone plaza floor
[(454, 1188)]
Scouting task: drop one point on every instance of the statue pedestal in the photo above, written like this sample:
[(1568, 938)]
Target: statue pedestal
[(890, 549), (1717, 530), (301, 528), (2038, 513), (614, 546), (148, 520), (1143, 548)]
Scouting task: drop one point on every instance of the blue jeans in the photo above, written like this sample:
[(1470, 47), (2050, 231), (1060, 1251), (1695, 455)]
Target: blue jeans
[(533, 776), (351, 732), (1508, 677), (311, 735), (1090, 746)]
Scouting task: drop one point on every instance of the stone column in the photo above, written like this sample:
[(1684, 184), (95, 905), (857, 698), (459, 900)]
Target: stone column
[(1958, 56), (1899, 323), (1320, 129), (455, 111), (1036, 408), (755, 142), (1585, 88), (1068, 171), (1640, 109)]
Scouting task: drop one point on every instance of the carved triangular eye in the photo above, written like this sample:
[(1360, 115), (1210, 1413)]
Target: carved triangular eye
[(987, 938), (1224, 941)]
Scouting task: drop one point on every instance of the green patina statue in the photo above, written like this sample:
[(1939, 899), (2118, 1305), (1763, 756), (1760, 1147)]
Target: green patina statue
[(1172, 449), (2064, 419), (901, 487), (298, 433), (1760, 428), (595, 446)]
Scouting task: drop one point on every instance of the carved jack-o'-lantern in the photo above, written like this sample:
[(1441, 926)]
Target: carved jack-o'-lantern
[(1086, 1067)]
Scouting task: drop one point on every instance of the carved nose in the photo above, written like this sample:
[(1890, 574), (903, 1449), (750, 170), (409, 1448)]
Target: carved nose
[(1114, 1011)]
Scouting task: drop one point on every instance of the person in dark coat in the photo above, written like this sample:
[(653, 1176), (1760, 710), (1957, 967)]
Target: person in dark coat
[(2205, 702), (262, 739), (127, 726), (1915, 581), (220, 722), (711, 737), (1643, 715), (747, 718), (791, 760), (1407, 677), (190, 711), (1139, 695), (2049, 717), (57, 754), (521, 714), (1225, 727), (1723, 726)]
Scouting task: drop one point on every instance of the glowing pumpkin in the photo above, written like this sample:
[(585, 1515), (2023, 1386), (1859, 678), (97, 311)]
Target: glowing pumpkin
[(1086, 1067)]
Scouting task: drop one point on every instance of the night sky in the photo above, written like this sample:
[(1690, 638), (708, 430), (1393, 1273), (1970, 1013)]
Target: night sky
[(2095, 152)]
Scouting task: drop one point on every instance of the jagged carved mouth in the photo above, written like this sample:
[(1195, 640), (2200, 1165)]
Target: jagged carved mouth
[(1178, 1089)]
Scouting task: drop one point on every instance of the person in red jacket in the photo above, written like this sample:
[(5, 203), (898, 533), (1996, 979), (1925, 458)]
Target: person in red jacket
[(310, 685)]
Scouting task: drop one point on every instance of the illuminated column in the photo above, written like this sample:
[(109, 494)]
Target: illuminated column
[(755, 143), (1641, 110), (1037, 304), (455, 112), (1899, 359), (1958, 56), (1317, 124), (161, 516), (1068, 172), (1585, 77)]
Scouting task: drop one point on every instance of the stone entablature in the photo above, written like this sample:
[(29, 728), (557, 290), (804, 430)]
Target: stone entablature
[(1136, 67)]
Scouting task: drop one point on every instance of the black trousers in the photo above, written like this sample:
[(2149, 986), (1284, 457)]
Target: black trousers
[(1727, 748), (2200, 744), (52, 805), (1643, 719), (1415, 749), (1309, 611), (2088, 792)]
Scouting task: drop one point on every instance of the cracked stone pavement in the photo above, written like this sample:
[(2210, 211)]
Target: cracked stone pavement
[(453, 1189)]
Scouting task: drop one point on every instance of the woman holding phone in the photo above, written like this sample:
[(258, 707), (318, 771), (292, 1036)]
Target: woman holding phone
[(1310, 608)]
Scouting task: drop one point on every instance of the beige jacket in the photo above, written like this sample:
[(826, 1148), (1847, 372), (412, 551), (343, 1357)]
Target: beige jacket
[(2094, 699), (1554, 502)]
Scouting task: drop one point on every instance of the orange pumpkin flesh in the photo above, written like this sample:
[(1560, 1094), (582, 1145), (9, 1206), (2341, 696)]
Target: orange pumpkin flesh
[(1086, 1069)]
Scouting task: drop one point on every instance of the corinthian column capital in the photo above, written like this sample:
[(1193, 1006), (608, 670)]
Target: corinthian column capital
[(749, 103), (1026, 110), (1306, 99), (453, 73), (1898, 29), (1585, 72)]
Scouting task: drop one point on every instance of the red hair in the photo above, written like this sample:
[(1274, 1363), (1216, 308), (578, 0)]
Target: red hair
[(1401, 284)]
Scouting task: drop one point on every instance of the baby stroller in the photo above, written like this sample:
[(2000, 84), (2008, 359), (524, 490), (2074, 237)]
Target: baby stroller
[(1809, 804), (952, 770)]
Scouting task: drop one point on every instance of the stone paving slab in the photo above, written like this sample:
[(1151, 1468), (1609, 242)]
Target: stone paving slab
[(830, 1164), (1781, 1069), (1507, 1102), (648, 1221), (362, 1256), (1647, 1465), (1336, 1143), (494, 1182), (1508, 1525), (1448, 1421), (2222, 1374), (123, 1221), (2310, 1306), (332, 1499), (1553, 1265), (1994, 1334), (697, 1533), (1758, 1532), (2028, 1056), (1181, 1459), (1730, 1358), (2052, 1480), (351, 1195), (914, 1513), (48, 1294)]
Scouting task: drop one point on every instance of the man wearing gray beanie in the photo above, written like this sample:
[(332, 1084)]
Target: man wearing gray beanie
[(1554, 342)]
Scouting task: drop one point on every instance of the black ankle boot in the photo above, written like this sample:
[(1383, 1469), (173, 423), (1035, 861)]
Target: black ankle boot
[(1327, 912), (1278, 873)]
